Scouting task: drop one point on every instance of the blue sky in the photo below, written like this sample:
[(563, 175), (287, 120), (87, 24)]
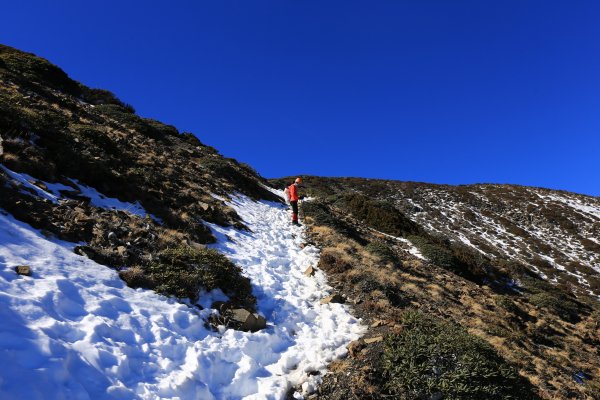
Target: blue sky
[(434, 91)]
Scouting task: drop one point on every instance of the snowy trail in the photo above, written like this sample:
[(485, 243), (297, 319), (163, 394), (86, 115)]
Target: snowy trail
[(74, 330)]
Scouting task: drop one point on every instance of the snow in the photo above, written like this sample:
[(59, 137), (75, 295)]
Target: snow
[(97, 199), (74, 330), (102, 201), (412, 249), (26, 180), (577, 204)]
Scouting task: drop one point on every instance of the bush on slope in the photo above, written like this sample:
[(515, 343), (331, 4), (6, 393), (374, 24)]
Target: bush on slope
[(432, 356)]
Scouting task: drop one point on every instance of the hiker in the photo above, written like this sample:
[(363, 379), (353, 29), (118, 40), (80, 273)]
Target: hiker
[(292, 197)]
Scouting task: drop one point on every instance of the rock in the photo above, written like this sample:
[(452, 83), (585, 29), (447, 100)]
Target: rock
[(334, 298), (378, 323), (218, 305), (302, 245), (112, 237), (85, 251), (437, 396), (375, 339), (310, 271), (246, 321), (261, 322), (23, 270), (355, 347)]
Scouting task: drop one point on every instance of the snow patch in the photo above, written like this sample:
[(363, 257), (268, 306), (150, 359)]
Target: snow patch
[(74, 330), (97, 199)]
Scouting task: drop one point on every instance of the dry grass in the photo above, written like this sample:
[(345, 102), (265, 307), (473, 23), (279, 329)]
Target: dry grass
[(436, 291)]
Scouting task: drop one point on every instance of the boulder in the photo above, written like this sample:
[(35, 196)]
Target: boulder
[(23, 270), (334, 298), (244, 320)]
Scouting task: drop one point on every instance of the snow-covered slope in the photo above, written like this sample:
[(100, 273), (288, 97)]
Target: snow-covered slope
[(75, 331), (554, 233)]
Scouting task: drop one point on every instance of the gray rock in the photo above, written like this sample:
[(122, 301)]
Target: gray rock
[(23, 270), (310, 271), (334, 298), (244, 320)]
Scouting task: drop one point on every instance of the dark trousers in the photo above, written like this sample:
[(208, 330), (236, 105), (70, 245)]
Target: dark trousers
[(294, 205)]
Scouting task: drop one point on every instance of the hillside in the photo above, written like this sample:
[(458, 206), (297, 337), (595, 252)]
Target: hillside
[(137, 262), (515, 266)]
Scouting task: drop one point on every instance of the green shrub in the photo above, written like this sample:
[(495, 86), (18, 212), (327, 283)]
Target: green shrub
[(102, 96), (506, 303), (458, 258), (322, 215), (379, 215), (145, 126), (32, 68), (242, 179), (595, 318), (431, 356), (382, 250), (557, 303), (183, 271)]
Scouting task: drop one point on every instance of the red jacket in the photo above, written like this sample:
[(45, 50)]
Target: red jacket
[(293, 192)]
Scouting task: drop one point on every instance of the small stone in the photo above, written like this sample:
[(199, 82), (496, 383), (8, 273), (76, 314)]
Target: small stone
[(302, 245), (378, 323), (334, 298), (23, 270), (247, 321), (397, 329), (355, 347), (437, 396), (375, 339), (310, 271)]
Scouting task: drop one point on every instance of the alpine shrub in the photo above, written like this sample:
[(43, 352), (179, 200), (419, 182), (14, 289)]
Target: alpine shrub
[(432, 357), (183, 271), (379, 215), (322, 215), (382, 250), (558, 304)]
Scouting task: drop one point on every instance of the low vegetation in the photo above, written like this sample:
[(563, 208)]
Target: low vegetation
[(431, 357), (184, 271)]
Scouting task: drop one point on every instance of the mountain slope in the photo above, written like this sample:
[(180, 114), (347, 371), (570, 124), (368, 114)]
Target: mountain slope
[(90, 192), (481, 258), (74, 330)]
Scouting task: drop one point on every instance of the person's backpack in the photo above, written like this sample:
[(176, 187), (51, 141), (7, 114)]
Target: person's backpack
[(286, 191)]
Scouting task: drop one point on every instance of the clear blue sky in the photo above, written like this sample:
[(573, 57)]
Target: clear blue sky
[(434, 91)]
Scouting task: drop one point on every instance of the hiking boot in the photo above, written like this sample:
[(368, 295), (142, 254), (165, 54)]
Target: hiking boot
[(296, 223)]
